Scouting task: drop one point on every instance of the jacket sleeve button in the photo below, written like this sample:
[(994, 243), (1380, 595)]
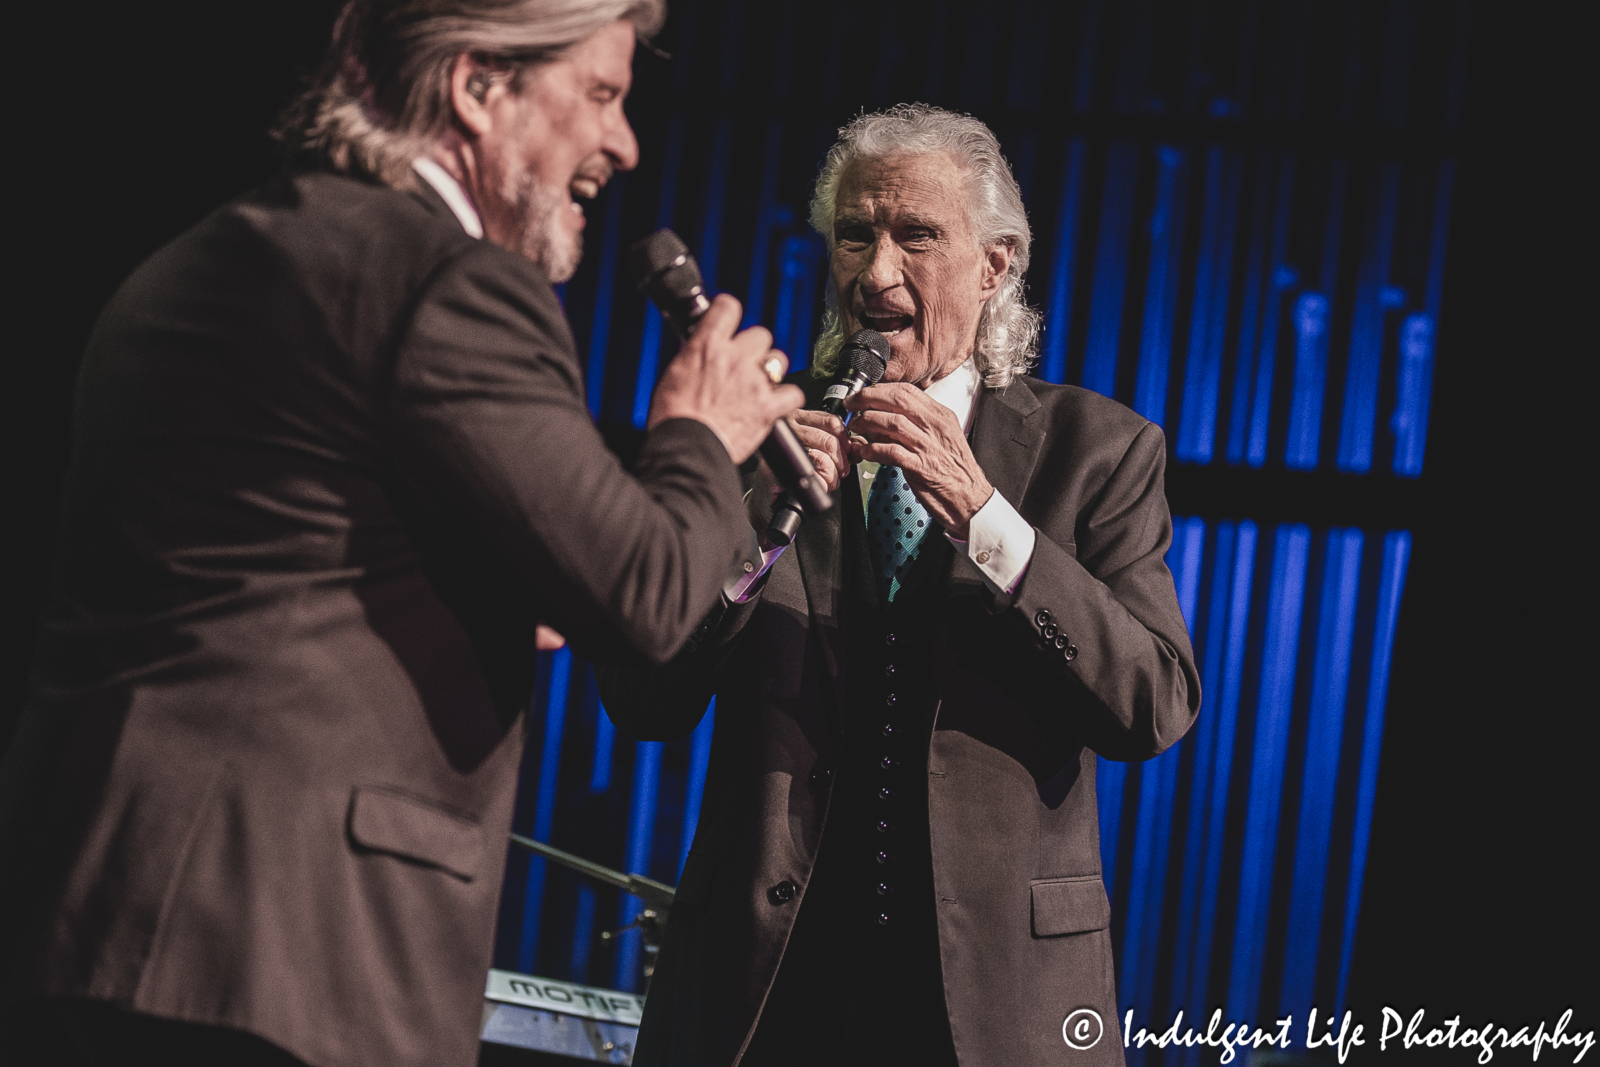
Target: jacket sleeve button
[(1069, 653), (1042, 619), (781, 893)]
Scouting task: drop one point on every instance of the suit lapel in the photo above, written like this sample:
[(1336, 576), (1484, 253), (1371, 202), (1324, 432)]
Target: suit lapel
[(1006, 440)]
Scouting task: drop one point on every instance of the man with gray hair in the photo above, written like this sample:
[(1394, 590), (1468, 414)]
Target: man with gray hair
[(333, 483), (897, 858)]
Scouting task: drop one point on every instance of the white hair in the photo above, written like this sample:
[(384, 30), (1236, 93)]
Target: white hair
[(383, 95), (1008, 329)]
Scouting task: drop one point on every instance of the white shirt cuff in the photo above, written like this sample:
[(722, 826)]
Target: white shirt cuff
[(999, 543), (738, 589)]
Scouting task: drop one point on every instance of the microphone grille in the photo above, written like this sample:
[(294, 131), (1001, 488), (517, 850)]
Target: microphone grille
[(867, 352), (662, 266)]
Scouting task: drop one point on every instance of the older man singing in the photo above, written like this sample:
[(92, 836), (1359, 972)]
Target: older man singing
[(897, 859)]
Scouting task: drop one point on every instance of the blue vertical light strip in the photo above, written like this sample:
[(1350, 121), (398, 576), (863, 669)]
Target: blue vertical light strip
[(755, 296), (1313, 314), (797, 288), (1330, 683), (1258, 292), (1111, 779), (1238, 596), (1415, 387), (1208, 322), (1283, 278), (1209, 643), (582, 934), (1157, 782), (699, 761), (1286, 597), (650, 343), (1374, 297), (1392, 581), (1058, 315), (605, 286), (641, 835), (544, 817), (605, 739), (1161, 287), (1110, 269)]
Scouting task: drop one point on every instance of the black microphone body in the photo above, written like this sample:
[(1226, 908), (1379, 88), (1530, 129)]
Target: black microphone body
[(668, 274), (862, 362)]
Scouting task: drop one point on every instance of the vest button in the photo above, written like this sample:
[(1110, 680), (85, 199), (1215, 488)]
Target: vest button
[(884, 889), (883, 794), (883, 857), (888, 763), (890, 640), (884, 826), (888, 670), (883, 919), (888, 729), (889, 700), (782, 893)]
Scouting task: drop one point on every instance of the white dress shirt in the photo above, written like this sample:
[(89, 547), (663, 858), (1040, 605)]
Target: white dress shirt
[(999, 541), (451, 192)]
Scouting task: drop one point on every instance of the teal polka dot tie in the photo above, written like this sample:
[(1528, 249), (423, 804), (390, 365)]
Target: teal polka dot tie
[(896, 525)]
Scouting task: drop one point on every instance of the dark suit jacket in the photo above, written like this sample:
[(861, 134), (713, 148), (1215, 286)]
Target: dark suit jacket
[(1022, 910), (332, 464)]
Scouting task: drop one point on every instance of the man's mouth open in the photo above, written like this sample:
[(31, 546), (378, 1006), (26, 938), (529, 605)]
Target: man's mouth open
[(888, 325)]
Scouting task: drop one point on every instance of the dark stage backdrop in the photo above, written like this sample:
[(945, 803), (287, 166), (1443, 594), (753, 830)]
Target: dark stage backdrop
[(1338, 250)]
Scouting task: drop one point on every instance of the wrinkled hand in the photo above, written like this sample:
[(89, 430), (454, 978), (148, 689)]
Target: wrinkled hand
[(719, 378), (904, 427), (826, 442)]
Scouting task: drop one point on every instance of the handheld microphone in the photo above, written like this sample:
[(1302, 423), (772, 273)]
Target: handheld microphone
[(862, 362), (669, 276)]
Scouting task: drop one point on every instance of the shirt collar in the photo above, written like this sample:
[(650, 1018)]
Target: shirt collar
[(451, 193), (957, 390)]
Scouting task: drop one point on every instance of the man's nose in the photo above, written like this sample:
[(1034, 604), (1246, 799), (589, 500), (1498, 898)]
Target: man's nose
[(883, 267), (620, 143)]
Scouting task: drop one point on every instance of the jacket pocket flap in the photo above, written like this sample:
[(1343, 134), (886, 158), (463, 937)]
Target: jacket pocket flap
[(387, 820), (1070, 906)]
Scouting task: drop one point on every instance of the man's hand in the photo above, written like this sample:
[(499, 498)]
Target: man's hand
[(721, 379), (904, 427), (826, 442)]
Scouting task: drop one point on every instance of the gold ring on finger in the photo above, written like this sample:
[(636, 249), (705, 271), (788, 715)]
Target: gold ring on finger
[(773, 365)]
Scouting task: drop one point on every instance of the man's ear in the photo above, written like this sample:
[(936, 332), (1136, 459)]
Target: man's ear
[(470, 85), (996, 265)]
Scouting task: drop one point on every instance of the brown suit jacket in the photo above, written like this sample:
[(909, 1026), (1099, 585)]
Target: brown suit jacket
[(1022, 911), (332, 465)]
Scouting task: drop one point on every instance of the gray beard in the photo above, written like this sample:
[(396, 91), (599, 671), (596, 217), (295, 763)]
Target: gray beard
[(544, 240)]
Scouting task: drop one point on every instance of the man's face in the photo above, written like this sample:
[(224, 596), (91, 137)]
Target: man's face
[(906, 262), (555, 142)]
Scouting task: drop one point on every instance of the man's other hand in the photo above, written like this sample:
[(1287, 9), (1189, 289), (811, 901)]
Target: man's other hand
[(903, 426), (826, 442), (721, 378)]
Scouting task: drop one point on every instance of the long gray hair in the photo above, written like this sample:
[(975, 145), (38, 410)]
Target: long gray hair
[(383, 95), (1008, 329)]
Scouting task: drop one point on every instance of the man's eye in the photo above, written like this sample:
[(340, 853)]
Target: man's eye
[(854, 235)]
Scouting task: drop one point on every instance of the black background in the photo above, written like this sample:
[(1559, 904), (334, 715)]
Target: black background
[(130, 122)]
